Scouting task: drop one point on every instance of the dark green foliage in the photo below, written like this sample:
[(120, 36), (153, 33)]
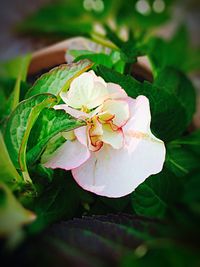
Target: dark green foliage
[(156, 194), (175, 52), (109, 240), (70, 18), (166, 100)]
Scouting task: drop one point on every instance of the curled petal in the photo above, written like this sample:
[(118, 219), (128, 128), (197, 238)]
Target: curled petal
[(140, 116), (68, 156), (95, 143), (81, 135), (73, 112), (113, 138), (118, 108), (95, 132)]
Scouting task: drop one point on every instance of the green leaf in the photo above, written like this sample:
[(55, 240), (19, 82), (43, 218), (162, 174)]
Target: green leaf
[(8, 173), (131, 50), (192, 191), (64, 19), (59, 78), (14, 74), (22, 69), (113, 36), (60, 19), (6, 96), (191, 142), (168, 114), (181, 161), (163, 253), (108, 238), (48, 125), (176, 83), (15, 67), (52, 146), (59, 199), (112, 60), (19, 126), (146, 202), (6, 87), (97, 58), (13, 215), (153, 197), (78, 53), (176, 52)]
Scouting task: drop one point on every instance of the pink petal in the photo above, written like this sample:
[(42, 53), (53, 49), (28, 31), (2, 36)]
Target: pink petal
[(69, 156), (81, 135), (140, 116), (116, 91)]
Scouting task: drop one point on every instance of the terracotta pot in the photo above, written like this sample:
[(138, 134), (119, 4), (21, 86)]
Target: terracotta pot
[(54, 55)]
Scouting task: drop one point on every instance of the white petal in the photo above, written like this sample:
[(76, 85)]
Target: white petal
[(85, 91), (117, 172), (97, 78), (69, 156), (99, 94), (79, 91)]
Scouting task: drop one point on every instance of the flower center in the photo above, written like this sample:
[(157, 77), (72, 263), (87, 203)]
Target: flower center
[(85, 109), (95, 132), (99, 126)]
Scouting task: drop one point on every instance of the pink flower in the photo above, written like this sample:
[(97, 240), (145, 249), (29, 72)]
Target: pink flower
[(116, 151)]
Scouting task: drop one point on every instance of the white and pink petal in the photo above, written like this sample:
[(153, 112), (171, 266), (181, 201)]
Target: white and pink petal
[(117, 172), (115, 91), (119, 109), (71, 111), (68, 156)]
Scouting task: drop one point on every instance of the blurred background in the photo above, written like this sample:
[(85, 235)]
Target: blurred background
[(29, 25)]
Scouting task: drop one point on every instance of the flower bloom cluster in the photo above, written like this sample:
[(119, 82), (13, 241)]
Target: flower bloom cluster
[(115, 151)]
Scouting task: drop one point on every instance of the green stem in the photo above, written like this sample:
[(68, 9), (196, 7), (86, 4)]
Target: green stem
[(26, 177), (100, 39), (128, 68)]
